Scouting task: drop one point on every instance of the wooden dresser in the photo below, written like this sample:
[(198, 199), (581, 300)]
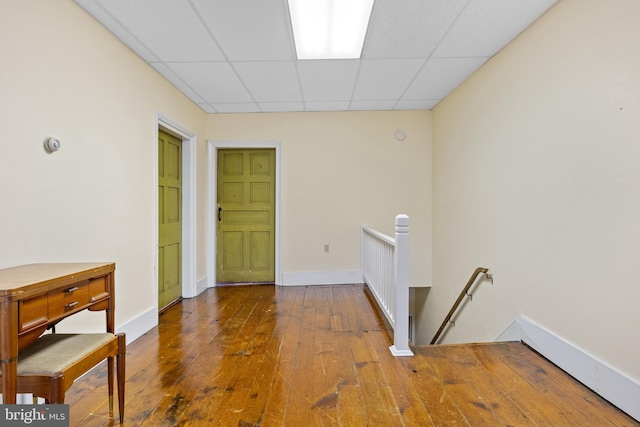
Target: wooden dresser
[(36, 296)]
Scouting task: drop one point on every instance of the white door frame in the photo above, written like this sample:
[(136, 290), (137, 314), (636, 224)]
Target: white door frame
[(212, 185), (189, 288)]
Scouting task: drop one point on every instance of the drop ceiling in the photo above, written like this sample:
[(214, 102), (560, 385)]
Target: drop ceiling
[(237, 56)]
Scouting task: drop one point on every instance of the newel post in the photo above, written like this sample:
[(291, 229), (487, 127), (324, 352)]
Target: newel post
[(400, 345)]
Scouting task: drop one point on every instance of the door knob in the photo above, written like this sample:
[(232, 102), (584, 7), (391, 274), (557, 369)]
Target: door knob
[(219, 213)]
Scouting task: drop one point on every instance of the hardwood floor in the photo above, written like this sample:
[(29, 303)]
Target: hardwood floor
[(318, 356)]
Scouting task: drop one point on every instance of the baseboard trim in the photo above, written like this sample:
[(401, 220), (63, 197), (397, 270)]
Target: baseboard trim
[(140, 325), (311, 278), (612, 385)]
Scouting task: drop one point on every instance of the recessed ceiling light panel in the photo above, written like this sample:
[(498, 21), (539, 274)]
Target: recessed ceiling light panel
[(329, 29)]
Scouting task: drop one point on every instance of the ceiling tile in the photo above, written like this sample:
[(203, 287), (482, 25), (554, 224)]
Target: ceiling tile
[(439, 76), (171, 30), (486, 26), (411, 30), (270, 81), (249, 30), (216, 82), (168, 74), (121, 32), (327, 80), (385, 79)]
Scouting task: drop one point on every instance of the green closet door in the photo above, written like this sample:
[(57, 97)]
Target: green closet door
[(170, 219), (245, 216)]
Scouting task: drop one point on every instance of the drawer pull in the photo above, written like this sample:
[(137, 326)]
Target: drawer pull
[(70, 290), (71, 304)]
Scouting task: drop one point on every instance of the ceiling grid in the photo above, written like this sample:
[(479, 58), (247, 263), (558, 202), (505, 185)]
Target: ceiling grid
[(238, 56)]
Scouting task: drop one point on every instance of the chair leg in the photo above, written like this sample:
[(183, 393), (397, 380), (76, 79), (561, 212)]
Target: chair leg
[(110, 383), (56, 388), (120, 359)]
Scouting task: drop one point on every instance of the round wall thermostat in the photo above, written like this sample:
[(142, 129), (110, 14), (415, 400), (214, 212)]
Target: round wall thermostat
[(400, 135), (51, 144)]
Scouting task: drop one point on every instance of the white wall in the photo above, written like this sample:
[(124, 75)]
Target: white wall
[(62, 74), (340, 170), (537, 176)]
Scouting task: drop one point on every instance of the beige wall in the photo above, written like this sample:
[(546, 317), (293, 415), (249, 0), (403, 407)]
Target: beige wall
[(536, 175), (340, 170), (62, 74)]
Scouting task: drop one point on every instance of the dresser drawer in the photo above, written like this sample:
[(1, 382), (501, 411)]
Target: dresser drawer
[(64, 300), (32, 312)]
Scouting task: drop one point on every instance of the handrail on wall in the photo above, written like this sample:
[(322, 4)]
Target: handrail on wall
[(465, 292)]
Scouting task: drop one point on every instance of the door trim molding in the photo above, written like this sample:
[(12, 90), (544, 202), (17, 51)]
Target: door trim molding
[(189, 285), (212, 177)]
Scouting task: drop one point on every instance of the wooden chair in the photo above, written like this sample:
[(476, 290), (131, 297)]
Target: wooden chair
[(49, 366)]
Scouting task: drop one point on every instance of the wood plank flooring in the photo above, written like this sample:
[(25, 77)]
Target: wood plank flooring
[(318, 356)]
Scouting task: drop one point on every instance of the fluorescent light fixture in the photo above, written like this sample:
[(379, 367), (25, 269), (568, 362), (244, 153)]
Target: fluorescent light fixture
[(329, 29)]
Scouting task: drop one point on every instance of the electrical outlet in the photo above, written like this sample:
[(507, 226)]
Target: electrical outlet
[(326, 249)]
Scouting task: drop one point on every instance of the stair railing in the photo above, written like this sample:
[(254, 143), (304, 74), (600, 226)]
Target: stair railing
[(385, 270), (465, 292)]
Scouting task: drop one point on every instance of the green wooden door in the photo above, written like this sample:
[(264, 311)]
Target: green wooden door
[(169, 218), (245, 216)]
